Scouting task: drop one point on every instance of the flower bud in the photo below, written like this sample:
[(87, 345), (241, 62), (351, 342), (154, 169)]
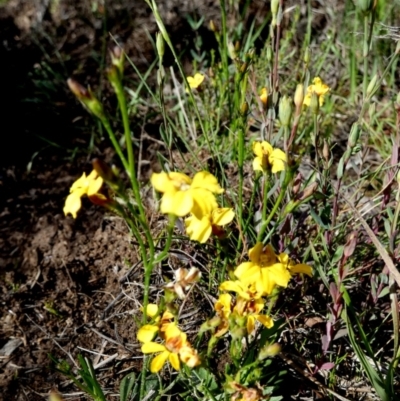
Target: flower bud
[(264, 96), (297, 183), (285, 110), (103, 170), (244, 109), (299, 96), (212, 26), (308, 191), (314, 103), (372, 87), (325, 151), (117, 58), (269, 351), (307, 56), (366, 6), (160, 45), (354, 135), (274, 11), (86, 97), (371, 112), (274, 6), (231, 51)]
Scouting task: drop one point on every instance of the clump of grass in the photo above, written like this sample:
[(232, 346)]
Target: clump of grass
[(273, 211)]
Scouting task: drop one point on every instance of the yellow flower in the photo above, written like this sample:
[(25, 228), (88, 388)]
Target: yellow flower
[(196, 81), (201, 229), (182, 195), (248, 303), (319, 88), (263, 271), (175, 340), (148, 331), (89, 186), (267, 158)]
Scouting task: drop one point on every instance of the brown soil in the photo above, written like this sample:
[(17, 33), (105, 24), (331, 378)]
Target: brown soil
[(64, 287)]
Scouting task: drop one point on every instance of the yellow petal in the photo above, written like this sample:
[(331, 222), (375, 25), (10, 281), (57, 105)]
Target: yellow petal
[(158, 362), (152, 310), (257, 149), (170, 182), (248, 272), (267, 256), (152, 347), (146, 333), (174, 361), (204, 202), (79, 183), (233, 286), (196, 81), (250, 324), (223, 305), (206, 180), (73, 203), (173, 331), (255, 252), (278, 165), (179, 203), (222, 216), (198, 230), (266, 148), (258, 164), (265, 320), (94, 186), (301, 269)]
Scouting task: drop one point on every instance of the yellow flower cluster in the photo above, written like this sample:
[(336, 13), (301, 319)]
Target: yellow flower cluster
[(174, 348), (255, 279), (195, 198)]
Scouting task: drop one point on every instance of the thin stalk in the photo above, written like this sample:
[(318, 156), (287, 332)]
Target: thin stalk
[(265, 200), (365, 56), (224, 51), (113, 139), (316, 137), (281, 195)]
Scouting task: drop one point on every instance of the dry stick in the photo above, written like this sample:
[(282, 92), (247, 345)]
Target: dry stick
[(381, 250)]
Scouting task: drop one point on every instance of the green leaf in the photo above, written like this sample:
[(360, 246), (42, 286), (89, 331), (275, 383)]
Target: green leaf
[(374, 377), (127, 386), (318, 219)]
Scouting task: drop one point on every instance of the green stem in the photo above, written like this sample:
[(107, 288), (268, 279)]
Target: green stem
[(224, 52), (265, 196), (316, 138), (281, 195), (365, 56), (161, 256), (117, 147)]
